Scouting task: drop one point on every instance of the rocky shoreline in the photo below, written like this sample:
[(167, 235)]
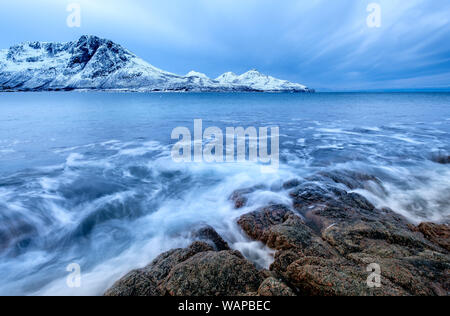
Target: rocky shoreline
[(325, 244)]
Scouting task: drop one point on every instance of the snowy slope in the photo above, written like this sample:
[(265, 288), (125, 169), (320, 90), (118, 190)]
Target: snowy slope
[(99, 64), (258, 81)]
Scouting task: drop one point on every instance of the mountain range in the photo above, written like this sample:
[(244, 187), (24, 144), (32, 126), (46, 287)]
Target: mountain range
[(93, 63)]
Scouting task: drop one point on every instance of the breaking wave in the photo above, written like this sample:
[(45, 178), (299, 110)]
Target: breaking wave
[(114, 205)]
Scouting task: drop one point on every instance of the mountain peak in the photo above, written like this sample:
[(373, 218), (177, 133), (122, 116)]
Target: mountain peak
[(89, 37), (253, 73), (94, 63), (197, 74), (227, 77)]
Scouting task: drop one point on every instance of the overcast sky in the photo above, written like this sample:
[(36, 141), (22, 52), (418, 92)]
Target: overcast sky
[(325, 44)]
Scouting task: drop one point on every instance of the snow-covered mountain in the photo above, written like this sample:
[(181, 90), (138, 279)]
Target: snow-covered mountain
[(92, 63), (258, 81)]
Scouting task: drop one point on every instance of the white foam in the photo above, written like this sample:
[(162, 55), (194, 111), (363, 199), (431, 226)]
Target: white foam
[(141, 150), (336, 131), (175, 208), (420, 197), (406, 139), (331, 146)]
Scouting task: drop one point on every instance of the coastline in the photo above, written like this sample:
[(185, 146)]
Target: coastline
[(310, 91), (130, 202), (326, 244)]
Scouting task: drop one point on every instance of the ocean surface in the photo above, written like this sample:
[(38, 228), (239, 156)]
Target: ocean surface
[(88, 178)]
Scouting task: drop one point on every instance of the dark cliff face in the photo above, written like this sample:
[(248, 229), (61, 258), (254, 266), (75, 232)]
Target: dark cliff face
[(16, 53), (83, 50), (106, 56)]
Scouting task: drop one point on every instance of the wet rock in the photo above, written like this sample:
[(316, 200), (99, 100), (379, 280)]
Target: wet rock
[(283, 259), (437, 234), (281, 229), (441, 158), (324, 206), (294, 235), (326, 250), (324, 277), (265, 274), (376, 238), (250, 294), (309, 192), (146, 281), (256, 223), (324, 246), (274, 287), (351, 179), (198, 270), (290, 234), (135, 283), (208, 234), (421, 275), (225, 273), (291, 184), (407, 260), (240, 197)]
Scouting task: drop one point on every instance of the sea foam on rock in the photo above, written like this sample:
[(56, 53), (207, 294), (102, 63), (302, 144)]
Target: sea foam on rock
[(198, 270), (324, 242), (342, 234)]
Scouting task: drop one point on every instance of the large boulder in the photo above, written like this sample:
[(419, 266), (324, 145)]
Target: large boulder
[(224, 273), (256, 223), (146, 281), (313, 276), (206, 268), (325, 244)]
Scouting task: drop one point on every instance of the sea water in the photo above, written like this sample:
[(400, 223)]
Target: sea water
[(88, 178)]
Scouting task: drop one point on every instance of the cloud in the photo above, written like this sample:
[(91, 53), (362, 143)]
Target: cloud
[(324, 44)]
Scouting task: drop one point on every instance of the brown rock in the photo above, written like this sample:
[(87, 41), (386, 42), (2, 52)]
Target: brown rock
[(209, 235), (420, 275), (145, 282), (256, 223), (135, 283), (283, 259), (437, 234), (376, 238), (324, 277), (343, 233), (280, 229), (324, 247), (195, 271), (224, 273), (274, 287), (239, 197), (352, 180)]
